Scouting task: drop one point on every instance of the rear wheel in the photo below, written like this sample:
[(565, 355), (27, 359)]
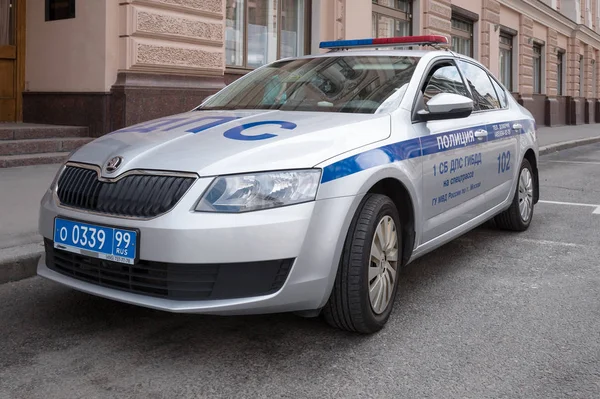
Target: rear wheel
[(518, 216), (366, 283)]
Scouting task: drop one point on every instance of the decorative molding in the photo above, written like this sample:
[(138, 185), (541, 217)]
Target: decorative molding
[(176, 70), (177, 57), (177, 39), (508, 31), (543, 14), (149, 77), (587, 35), (214, 6), (157, 23), (168, 27), (555, 20), (464, 13), (238, 71), (179, 6)]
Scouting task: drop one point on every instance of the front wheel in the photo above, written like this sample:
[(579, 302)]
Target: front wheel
[(366, 283), (518, 216)]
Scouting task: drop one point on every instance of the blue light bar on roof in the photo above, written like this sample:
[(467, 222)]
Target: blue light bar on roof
[(346, 43), (386, 41)]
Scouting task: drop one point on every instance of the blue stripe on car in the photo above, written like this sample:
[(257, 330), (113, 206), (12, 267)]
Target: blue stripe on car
[(417, 147), (372, 158)]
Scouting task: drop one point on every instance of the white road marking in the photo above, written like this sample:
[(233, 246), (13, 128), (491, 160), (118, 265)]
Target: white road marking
[(582, 162), (595, 212), (529, 240), (547, 242)]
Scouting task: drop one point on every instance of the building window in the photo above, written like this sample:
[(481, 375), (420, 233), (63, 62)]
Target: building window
[(462, 36), (391, 18), (559, 73), (292, 28), (506, 60), (60, 9), (537, 68), (261, 31)]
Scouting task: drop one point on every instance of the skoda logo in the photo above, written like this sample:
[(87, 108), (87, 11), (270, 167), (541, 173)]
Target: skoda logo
[(113, 164)]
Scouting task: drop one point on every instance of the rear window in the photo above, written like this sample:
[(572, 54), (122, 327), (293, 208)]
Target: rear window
[(353, 84)]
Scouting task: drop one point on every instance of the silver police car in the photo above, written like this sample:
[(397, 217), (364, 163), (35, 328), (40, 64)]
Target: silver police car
[(304, 186)]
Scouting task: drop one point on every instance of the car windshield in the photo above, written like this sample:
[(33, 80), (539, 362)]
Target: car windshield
[(353, 84)]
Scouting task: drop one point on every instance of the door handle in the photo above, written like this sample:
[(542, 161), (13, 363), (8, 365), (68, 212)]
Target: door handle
[(480, 133), (517, 126)]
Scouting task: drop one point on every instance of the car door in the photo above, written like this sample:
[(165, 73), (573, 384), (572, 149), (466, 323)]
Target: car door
[(453, 151), (501, 147)]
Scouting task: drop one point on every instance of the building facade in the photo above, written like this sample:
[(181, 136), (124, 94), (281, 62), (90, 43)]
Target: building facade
[(106, 64)]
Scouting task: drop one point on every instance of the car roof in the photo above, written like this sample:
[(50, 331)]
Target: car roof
[(425, 54)]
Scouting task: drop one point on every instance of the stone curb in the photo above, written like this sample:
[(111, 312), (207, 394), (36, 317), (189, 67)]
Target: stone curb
[(548, 149), (21, 262)]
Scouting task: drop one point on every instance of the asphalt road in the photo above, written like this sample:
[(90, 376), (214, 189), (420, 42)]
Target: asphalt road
[(490, 315)]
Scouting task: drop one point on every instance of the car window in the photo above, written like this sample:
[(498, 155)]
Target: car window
[(481, 86), (353, 84), (501, 94), (444, 79)]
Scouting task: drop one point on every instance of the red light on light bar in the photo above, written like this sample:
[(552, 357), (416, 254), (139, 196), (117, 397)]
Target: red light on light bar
[(411, 39)]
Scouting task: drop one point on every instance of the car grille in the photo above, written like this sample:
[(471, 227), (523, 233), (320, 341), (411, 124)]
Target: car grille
[(171, 280), (133, 195)]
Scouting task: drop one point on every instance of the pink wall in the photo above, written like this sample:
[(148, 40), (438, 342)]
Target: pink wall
[(69, 55), (562, 41), (540, 32), (509, 18), (358, 19), (471, 5)]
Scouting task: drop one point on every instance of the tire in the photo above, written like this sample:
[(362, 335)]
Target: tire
[(349, 306), (511, 218)]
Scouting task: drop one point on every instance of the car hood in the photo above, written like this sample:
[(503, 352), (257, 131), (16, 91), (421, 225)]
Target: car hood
[(225, 142)]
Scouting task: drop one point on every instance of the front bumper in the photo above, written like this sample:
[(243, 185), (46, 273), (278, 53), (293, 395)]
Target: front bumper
[(311, 235)]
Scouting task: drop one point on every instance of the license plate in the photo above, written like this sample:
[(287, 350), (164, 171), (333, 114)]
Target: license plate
[(109, 243)]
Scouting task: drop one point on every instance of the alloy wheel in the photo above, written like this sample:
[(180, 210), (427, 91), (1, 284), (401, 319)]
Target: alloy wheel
[(525, 194), (383, 264)]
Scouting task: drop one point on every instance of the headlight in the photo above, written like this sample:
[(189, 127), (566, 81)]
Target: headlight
[(251, 192)]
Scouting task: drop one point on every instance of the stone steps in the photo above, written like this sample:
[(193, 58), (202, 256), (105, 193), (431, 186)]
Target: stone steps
[(10, 161), (38, 146), (24, 144), (24, 131)]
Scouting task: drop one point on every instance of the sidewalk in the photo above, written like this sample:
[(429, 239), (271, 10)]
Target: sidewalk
[(553, 138), (22, 188)]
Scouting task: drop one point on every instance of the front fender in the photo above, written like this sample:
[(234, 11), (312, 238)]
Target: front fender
[(407, 172)]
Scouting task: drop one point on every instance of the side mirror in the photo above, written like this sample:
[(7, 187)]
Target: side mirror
[(447, 106)]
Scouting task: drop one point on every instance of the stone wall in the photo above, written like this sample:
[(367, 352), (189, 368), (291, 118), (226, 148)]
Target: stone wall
[(552, 63), (172, 55), (526, 55), (588, 74), (573, 67), (491, 18), (437, 14), (172, 36)]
